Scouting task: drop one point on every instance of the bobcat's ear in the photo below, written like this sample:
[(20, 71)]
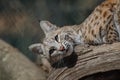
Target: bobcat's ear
[(36, 48), (47, 26)]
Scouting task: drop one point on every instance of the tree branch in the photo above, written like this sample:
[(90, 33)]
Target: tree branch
[(89, 61), (17, 65)]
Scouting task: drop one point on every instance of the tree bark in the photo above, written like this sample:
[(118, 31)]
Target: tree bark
[(90, 60), (17, 65)]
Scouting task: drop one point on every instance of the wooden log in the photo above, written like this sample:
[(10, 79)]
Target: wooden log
[(19, 67), (90, 60)]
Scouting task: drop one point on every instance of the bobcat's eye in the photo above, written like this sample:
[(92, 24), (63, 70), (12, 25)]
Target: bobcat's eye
[(51, 50), (56, 38)]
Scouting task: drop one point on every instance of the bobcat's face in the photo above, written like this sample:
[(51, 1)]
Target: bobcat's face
[(57, 44)]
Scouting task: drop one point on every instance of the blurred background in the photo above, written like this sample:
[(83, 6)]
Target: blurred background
[(19, 24)]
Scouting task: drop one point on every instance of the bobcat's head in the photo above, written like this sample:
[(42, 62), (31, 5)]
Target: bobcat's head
[(58, 42)]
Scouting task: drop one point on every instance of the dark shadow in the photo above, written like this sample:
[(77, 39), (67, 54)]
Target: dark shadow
[(109, 75), (69, 61)]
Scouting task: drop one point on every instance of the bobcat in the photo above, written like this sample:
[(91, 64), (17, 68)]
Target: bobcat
[(98, 28)]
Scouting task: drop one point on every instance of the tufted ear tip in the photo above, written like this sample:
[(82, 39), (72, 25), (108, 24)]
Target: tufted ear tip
[(47, 27), (43, 22), (36, 48)]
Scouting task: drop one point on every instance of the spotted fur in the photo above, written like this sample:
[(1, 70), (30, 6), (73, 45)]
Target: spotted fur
[(117, 19), (98, 28)]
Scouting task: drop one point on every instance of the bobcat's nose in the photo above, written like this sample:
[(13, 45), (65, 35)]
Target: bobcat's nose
[(62, 48)]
